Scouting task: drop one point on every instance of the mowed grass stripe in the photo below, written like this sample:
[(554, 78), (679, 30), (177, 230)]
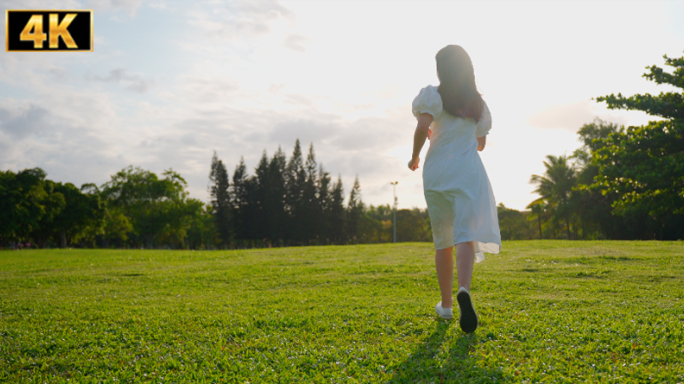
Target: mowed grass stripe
[(550, 311)]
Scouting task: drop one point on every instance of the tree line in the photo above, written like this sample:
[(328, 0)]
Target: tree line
[(295, 202), (286, 202)]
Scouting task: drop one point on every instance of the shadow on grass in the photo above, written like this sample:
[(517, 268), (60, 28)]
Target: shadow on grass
[(427, 364)]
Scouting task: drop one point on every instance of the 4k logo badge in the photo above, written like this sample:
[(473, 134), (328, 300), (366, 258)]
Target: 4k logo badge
[(42, 30)]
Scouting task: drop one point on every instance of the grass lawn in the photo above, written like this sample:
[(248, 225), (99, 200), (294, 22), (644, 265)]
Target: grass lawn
[(550, 311)]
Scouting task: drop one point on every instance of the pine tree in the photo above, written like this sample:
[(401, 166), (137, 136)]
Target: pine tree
[(220, 199), (240, 200), (261, 189), (310, 209), (324, 204), (295, 179), (275, 197), (354, 212), (337, 212)]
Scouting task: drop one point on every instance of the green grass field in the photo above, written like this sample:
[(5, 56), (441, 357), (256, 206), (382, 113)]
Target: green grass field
[(550, 311)]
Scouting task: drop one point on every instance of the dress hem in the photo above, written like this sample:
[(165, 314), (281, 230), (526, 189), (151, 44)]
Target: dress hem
[(480, 249)]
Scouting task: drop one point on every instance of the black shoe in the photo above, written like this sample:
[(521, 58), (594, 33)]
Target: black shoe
[(468, 316)]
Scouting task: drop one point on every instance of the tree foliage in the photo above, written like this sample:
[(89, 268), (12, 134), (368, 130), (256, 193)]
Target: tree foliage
[(514, 224), (643, 167), (629, 182), (285, 202), (33, 208), (157, 208), (22, 203)]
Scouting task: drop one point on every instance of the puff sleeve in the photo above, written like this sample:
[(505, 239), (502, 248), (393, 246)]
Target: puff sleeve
[(485, 123), (428, 101)]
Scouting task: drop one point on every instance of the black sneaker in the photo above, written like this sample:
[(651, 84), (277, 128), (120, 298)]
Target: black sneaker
[(468, 316)]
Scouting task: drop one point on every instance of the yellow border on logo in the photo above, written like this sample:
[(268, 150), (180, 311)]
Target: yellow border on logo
[(92, 30)]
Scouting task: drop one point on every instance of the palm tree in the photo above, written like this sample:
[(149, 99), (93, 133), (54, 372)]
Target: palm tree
[(554, 188)]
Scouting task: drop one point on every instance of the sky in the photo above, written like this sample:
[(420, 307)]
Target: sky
[(170, 82)]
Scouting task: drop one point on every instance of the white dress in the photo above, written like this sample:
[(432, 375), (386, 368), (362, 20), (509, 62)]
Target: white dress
[(459, 197)]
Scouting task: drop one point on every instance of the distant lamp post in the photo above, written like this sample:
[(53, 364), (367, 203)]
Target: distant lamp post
[(394, 184)]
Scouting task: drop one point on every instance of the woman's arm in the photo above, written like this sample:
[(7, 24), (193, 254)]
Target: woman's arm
[(481, 141), (422, 130)]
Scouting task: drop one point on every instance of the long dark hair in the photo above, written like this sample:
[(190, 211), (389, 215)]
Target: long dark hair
[(457, 83)]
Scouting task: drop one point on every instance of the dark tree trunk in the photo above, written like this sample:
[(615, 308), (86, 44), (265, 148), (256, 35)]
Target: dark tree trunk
[(62, 239), (540, 229)]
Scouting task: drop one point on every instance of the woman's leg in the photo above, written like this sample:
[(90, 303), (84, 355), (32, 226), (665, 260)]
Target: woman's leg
[(465, 258), (444, 260)]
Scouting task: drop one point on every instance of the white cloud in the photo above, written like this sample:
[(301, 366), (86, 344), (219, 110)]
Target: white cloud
[(275, 88), (240, 19), (210, 89), (130, 7), (295, 43), (39, 4), (305, 130), (61, 146), (569, 116), (31, 120), (132, 82)]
